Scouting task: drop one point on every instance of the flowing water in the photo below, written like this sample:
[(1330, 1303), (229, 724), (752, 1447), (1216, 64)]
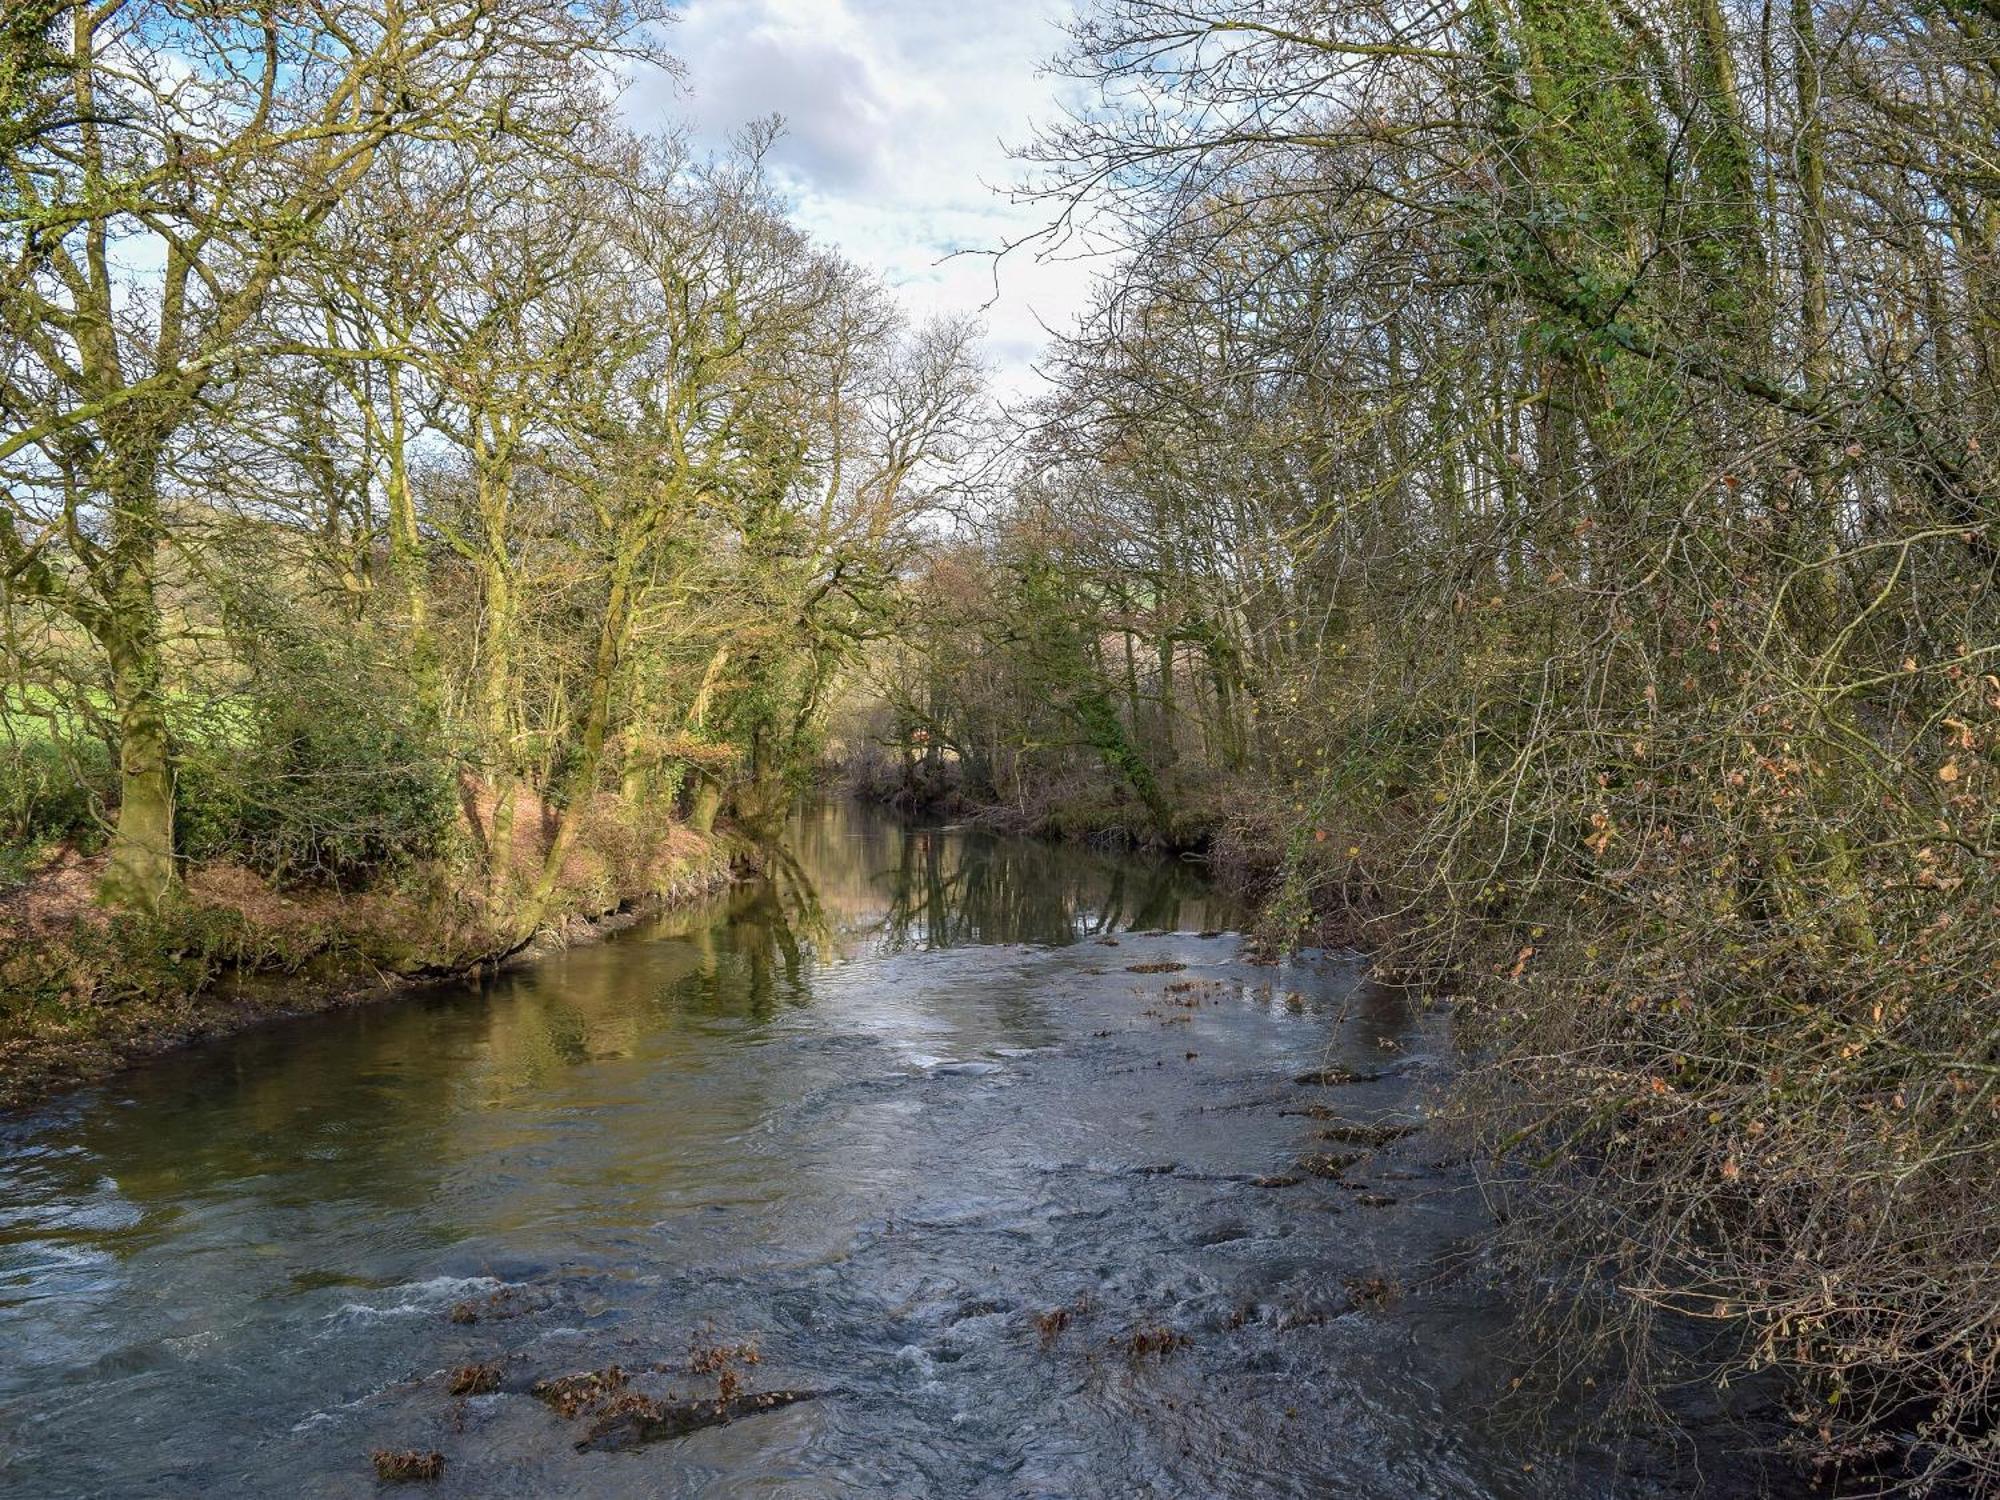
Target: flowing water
[(922, 1117)]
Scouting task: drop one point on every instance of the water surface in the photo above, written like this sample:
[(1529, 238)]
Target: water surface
[(879, 1115)]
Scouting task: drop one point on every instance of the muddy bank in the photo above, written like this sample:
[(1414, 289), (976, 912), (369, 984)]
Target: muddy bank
[(84, 994)]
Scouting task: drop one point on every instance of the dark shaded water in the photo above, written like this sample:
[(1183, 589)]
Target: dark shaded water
[(876, 1116)]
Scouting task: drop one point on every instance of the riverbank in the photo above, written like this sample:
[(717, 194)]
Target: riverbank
[(85, 992)]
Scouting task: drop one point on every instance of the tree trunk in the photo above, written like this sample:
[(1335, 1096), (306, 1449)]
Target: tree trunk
[(141, 868), (637, 777), (705, 803), (406, 559), (502, 776), (589, 758)]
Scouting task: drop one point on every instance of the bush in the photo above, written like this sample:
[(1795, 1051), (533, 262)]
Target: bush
[(323, 767), (319, 791), (51, 793)]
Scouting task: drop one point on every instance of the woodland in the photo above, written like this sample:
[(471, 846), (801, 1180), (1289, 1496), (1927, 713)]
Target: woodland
[(1523, 495)]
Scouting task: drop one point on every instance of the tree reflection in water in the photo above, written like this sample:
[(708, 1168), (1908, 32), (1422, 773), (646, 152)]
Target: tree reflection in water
[(892, 888)]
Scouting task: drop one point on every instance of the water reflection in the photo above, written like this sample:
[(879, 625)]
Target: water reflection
[(303, 1133), (875, 1109), (952, 887)]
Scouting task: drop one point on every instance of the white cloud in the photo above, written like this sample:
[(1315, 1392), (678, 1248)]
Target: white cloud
[(898, 113)]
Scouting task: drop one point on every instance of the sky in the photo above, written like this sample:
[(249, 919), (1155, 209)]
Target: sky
[(898, 114)]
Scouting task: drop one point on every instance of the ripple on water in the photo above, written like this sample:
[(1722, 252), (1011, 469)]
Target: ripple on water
[(909, 1134)]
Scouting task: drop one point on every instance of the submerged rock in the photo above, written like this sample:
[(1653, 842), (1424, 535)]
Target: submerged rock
[(1314, 1112), (966, 1069), (1331, 1076), (407, 1466), (570, 1396), (1368, 1135), (634, 1420), (474, 1380), (1327, 1164)]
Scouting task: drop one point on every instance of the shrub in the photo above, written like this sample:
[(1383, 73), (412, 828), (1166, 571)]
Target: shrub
[(323, 767), (316, 794), (50, 793)]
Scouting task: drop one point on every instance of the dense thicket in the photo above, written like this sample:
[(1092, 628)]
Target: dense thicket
[(400, 459), (1535, 463)]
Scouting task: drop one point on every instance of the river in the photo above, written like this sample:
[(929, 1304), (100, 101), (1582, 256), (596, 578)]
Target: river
[(989, 1149)]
